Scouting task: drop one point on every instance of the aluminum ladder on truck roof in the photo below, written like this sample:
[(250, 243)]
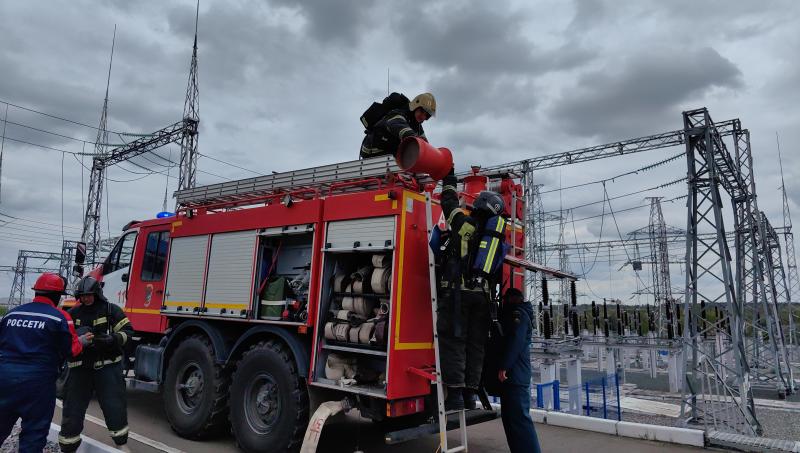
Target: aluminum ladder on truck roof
[(325, 177)]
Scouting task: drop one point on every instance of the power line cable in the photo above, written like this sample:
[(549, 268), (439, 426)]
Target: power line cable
[(617, 197), (614, 217), (55, 116), (23, 219), (228, 163)]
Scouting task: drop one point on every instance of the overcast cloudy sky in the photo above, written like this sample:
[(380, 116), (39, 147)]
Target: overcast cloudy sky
[(282, 85)]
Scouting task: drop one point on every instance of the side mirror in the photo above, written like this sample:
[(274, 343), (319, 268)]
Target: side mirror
[(125, 277), (80, 253)]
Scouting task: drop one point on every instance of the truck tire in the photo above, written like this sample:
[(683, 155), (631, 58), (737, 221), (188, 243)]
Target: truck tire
[(196, 390), (269, 400)]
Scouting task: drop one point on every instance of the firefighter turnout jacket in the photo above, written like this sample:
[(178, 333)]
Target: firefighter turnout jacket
[(111, 329), (386, 135), (463, 236), (36, 338)]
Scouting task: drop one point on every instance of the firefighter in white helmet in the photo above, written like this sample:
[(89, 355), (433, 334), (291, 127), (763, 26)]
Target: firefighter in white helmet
[(388, 123)]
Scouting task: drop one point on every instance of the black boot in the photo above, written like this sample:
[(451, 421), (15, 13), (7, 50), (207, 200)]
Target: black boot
[(469, 399), (454, 400)]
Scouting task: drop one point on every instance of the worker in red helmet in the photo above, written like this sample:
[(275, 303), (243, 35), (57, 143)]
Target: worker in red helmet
[(98, 370), (35, 340)]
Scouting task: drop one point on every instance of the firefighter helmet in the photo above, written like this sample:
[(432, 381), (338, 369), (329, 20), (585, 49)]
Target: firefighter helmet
[(88, 285), (426, 102), (50, 283), (490, 202)]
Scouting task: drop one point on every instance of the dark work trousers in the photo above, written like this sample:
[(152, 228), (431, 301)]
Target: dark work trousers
[(108, 384), (515, 410), (462, 356), (32, 398)]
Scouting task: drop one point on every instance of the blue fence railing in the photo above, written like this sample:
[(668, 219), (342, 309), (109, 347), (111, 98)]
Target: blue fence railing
[(602, 397), (548, 392)]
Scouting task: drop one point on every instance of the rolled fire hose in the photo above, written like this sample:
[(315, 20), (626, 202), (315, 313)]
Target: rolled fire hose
[(341, 331), (365, 332), (379, 261), (384, 307), (363, 306), (315, 425), (358, 287), (353, 318), (329, 333), (353, 334), (338, 367), (380, 280), (348, 303)]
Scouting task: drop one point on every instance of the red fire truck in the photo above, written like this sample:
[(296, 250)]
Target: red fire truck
[(261, 298)]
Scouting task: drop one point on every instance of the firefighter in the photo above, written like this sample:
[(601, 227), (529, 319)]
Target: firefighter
[(516, 319), (35, 340), (99, 369), (385, 136), (463, 313)]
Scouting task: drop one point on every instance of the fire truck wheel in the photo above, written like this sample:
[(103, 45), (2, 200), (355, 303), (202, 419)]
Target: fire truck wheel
[(195, 390), (269, 401)]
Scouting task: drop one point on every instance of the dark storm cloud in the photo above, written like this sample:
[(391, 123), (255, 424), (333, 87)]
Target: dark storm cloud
[(335, 22), (486, 65), (625, 99)]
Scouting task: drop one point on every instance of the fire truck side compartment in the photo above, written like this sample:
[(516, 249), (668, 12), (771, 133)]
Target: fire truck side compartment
[(229, 283), (185, 275)]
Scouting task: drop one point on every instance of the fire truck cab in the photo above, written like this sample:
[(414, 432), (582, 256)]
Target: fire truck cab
[(262, 298)]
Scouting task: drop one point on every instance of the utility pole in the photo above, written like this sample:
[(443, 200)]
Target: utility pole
[(191, 117)]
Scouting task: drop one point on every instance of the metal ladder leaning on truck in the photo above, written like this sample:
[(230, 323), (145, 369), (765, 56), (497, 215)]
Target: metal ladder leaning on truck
[(262, 298)]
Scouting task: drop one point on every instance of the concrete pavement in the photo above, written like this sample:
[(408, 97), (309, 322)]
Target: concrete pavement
[(147, 419)]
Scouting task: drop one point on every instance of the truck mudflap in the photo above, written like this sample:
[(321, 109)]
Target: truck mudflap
[(473, 418)]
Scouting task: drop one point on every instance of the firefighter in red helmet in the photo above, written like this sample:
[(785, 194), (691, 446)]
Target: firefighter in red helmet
[(35, 339)]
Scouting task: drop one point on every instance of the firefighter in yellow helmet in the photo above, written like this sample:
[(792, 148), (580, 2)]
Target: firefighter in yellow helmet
[(388, 123)]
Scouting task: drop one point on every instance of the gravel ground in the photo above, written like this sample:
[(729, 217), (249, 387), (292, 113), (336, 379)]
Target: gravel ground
[(10, 445), (777, 423)]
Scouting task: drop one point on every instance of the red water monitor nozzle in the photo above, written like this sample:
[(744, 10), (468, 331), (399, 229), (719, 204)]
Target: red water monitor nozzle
[(418, 156)]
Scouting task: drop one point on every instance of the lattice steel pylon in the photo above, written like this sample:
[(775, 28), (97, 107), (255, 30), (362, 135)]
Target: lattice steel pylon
[(534, 239), (778, 293), (716, 391), (792, 280), (764, 347), (23, 267), (94, 200), (191, 116), (662, 284), (17, 295)]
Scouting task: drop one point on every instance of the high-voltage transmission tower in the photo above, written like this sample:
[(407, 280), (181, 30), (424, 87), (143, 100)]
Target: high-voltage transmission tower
[(662, 285), (94, 200), (191, 118), (184, 131), (534, 213), (46, 262), (755, 278), (717, 389), (792, 281)]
